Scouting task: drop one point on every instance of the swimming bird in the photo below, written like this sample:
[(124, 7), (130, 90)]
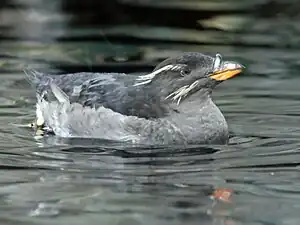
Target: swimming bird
[(170, 105)]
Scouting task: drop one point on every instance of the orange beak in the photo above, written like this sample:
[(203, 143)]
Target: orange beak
[(228, 70)]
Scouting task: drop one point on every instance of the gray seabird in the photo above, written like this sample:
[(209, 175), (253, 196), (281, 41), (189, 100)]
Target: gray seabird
[(170, 105)]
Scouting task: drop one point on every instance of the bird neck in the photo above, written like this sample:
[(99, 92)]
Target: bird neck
[(201, 119)]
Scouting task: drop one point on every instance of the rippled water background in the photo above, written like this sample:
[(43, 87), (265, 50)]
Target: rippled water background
[(50, 181)]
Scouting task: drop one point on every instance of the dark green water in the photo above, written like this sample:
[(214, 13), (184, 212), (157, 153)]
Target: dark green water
[(43, 181)]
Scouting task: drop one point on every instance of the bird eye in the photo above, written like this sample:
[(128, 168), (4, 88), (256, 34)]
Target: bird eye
[(185, 71), (217, 62)]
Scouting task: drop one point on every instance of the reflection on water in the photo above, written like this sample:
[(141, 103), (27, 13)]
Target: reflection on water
[(55, 181)]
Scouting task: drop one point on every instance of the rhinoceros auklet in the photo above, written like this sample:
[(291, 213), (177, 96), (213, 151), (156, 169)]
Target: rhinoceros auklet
[(170, 105)]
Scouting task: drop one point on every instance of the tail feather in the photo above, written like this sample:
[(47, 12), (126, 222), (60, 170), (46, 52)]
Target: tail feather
[(45, 86), (34, 77)]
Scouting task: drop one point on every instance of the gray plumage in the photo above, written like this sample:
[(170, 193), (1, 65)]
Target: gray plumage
[(171, 105)]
